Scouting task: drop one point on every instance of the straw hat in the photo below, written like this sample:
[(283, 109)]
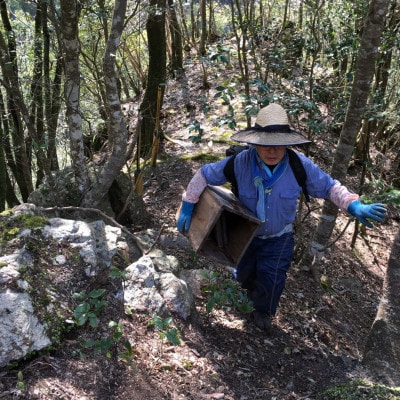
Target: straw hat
[(271, 129)]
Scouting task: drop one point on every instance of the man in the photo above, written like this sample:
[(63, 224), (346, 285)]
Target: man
[(267, 186)]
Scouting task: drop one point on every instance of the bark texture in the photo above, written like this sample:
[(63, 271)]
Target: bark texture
[(364, 71), (382, 350), (117, 127), (20, 163), (157, 73), (69, 28)]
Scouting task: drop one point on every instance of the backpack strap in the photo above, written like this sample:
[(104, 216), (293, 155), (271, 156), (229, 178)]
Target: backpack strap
[(299, 172), (229, 169), (294, 161), (229, 172)]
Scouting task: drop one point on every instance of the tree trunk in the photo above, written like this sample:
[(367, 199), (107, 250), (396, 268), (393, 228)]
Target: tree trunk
[(194, 23), (11, 197), (156, 74), (117, 127), (69, 27), (3, 173), (384, 66), (184, 28), (241, 34), (382, 349), (9, 67), (36, 111), (7, 150), (52, 113), (316, 53), (364, 70), (204, 33), (52, 91), (285, 14), (212, 26), (32, 120), (176, 39), (379, 97)]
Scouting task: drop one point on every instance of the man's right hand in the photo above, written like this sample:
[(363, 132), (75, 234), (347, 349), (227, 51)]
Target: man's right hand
[(185, 217)]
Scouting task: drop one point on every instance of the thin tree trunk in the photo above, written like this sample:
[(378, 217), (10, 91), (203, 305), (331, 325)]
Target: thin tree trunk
[(69, 27), (11, 197), (204, 33), (36, 111), (3, 172), (156, 74), (6, 145), (318, 46), (212, 27), (285, 14), (176, 38), (52, 113), (382, 349), (193, 19), (364, 70), (242, 49), (117, 127), (383, 70), (22, 172), (185, 31), (52, 92)]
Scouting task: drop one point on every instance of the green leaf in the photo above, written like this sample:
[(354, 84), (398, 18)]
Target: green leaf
[(81, 309), (128, 346), (158, 323), (167, 321), (117, 335), (89, 343), (99, 305), (173, 337), (93, 321), (224, 59), (106, 344), (79, 296), (96, 293), (81, 320), (112, 324), (210, 305)]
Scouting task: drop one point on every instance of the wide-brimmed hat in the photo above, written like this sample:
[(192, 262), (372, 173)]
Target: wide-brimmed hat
[(271, 129)]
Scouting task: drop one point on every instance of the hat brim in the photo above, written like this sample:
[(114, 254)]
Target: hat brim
[(256, 137)]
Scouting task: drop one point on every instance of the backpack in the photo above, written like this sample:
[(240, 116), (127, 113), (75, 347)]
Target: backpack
[(294, 162)]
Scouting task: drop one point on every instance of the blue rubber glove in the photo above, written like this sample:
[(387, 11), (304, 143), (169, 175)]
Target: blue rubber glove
[(361, 212), (185, 217)]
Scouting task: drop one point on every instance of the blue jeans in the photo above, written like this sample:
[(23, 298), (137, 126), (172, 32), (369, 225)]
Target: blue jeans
[(263, 270)]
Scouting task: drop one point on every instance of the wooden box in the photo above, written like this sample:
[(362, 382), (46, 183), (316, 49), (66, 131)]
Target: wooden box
[(221, 228)]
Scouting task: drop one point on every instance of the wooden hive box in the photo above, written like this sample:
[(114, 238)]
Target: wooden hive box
[(221, 228)]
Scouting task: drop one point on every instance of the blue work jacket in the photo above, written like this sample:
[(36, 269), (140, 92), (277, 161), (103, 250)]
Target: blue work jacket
[(281, 199)]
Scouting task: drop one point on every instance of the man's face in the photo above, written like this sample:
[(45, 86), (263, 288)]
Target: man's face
[(271, 155)]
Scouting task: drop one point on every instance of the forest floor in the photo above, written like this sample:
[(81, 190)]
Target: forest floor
[(318, 334)]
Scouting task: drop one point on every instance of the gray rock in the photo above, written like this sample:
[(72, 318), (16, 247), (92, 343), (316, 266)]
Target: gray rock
[(20, 330), (157, 290), (97, 242), (153, 281)]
